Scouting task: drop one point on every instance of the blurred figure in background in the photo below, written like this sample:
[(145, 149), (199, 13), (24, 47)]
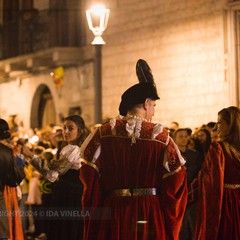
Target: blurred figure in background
[(203, 141), (214, 135), (46, 191), (173, 127), (34, 199), (191, 143), (193, 165), (211, 126)]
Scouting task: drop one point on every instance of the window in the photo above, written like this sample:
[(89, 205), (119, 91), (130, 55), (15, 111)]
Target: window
[(1, 12), (232, 49)]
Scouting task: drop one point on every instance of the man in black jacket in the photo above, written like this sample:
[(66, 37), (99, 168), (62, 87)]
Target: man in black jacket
[(193, 165)]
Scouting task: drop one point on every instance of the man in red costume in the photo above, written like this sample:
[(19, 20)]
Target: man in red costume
[(134, 183)]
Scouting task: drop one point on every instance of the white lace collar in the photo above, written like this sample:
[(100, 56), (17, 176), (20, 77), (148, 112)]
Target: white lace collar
[(133, 125)]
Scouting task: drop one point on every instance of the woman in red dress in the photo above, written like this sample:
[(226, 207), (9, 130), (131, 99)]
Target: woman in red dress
[(219, 182)]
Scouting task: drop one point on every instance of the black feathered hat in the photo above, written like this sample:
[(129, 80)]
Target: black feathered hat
[(138, 93), (4, 130)]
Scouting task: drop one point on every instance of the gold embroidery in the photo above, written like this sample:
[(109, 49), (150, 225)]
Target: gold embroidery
[(121, 193), (127, 192), (230, 149), (91, 165), (232, 186), (172, 173), (136, 117)]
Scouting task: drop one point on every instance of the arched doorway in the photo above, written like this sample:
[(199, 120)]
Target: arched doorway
[(43, 110)]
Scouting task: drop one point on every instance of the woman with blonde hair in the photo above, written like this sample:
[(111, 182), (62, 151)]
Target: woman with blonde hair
[(219, 182)]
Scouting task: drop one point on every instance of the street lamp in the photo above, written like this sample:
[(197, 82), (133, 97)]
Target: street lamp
[(97, 18)]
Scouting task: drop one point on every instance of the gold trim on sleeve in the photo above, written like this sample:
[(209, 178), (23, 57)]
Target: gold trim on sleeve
[(91, 165), (172, 173)]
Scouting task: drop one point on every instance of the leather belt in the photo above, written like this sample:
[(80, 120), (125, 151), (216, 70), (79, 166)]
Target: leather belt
[(128, 192)]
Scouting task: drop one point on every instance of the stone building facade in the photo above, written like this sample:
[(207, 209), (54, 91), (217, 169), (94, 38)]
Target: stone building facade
[(191, 46)]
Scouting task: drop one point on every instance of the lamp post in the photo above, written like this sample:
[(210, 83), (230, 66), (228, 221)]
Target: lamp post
[(97, 18)]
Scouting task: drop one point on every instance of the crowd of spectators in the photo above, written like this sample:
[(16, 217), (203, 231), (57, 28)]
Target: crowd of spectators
[(36, 191)]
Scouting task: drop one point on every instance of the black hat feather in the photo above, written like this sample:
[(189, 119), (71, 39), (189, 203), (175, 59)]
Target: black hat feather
[(138, 93), (144, 72)]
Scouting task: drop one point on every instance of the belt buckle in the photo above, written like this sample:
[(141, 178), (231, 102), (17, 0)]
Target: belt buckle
[(126, 192)]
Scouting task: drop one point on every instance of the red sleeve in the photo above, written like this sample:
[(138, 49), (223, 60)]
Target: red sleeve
[(173, 190), (90, 177), (210, 194), (174, 197), (91, 200)]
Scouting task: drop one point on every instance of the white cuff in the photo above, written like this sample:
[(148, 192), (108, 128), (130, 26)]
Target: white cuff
[(52, 176)]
